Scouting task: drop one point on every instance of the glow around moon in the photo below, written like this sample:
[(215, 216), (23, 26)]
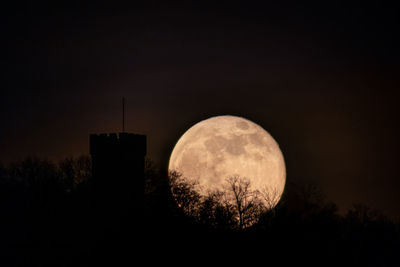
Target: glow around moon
[(224, 146)]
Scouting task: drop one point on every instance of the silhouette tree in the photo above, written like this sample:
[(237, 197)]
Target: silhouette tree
[(217, 212), (247, 204), (270, 196), (234, 207), (74, 171), (184, 193), (42, 204), (363, 214), (33, 172)]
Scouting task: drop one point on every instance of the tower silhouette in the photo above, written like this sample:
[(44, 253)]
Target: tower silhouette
[(118, 166)]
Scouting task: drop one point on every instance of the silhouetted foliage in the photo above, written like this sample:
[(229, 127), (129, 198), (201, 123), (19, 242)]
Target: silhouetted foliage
[(216, 212), (75, 171), (247, 204), (53, 207), (237, 206), (185, 194)]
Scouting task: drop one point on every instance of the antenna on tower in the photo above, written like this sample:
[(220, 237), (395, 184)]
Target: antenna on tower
[(123, 114)]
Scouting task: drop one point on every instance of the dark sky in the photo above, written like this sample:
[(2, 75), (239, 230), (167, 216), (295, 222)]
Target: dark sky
[(322, 78)]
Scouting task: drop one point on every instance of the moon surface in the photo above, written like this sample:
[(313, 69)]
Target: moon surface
[(220, 147)]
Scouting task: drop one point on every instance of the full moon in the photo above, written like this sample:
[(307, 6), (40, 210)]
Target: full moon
[(220, 147)]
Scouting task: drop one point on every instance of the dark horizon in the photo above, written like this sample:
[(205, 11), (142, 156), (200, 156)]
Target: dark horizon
[(320, 78), (114, 209)]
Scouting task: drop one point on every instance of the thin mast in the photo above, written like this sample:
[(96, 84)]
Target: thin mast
[(123, 114)]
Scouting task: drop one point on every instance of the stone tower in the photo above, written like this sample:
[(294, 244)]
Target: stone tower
[(118, 165)]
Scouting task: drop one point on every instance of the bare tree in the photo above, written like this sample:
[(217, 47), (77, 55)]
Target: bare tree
[(74, 171), (363, 214), (247, 203), (216, 211), (270, 196), (237, 206), (184, 193)]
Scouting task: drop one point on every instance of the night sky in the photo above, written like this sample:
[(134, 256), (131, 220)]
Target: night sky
[(322, 78)]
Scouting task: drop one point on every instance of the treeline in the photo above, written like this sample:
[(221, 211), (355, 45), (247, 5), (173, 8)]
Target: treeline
[(304, 227), (52, 211)]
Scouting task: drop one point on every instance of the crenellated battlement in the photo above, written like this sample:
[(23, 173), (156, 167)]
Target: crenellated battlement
[(113, 143)]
